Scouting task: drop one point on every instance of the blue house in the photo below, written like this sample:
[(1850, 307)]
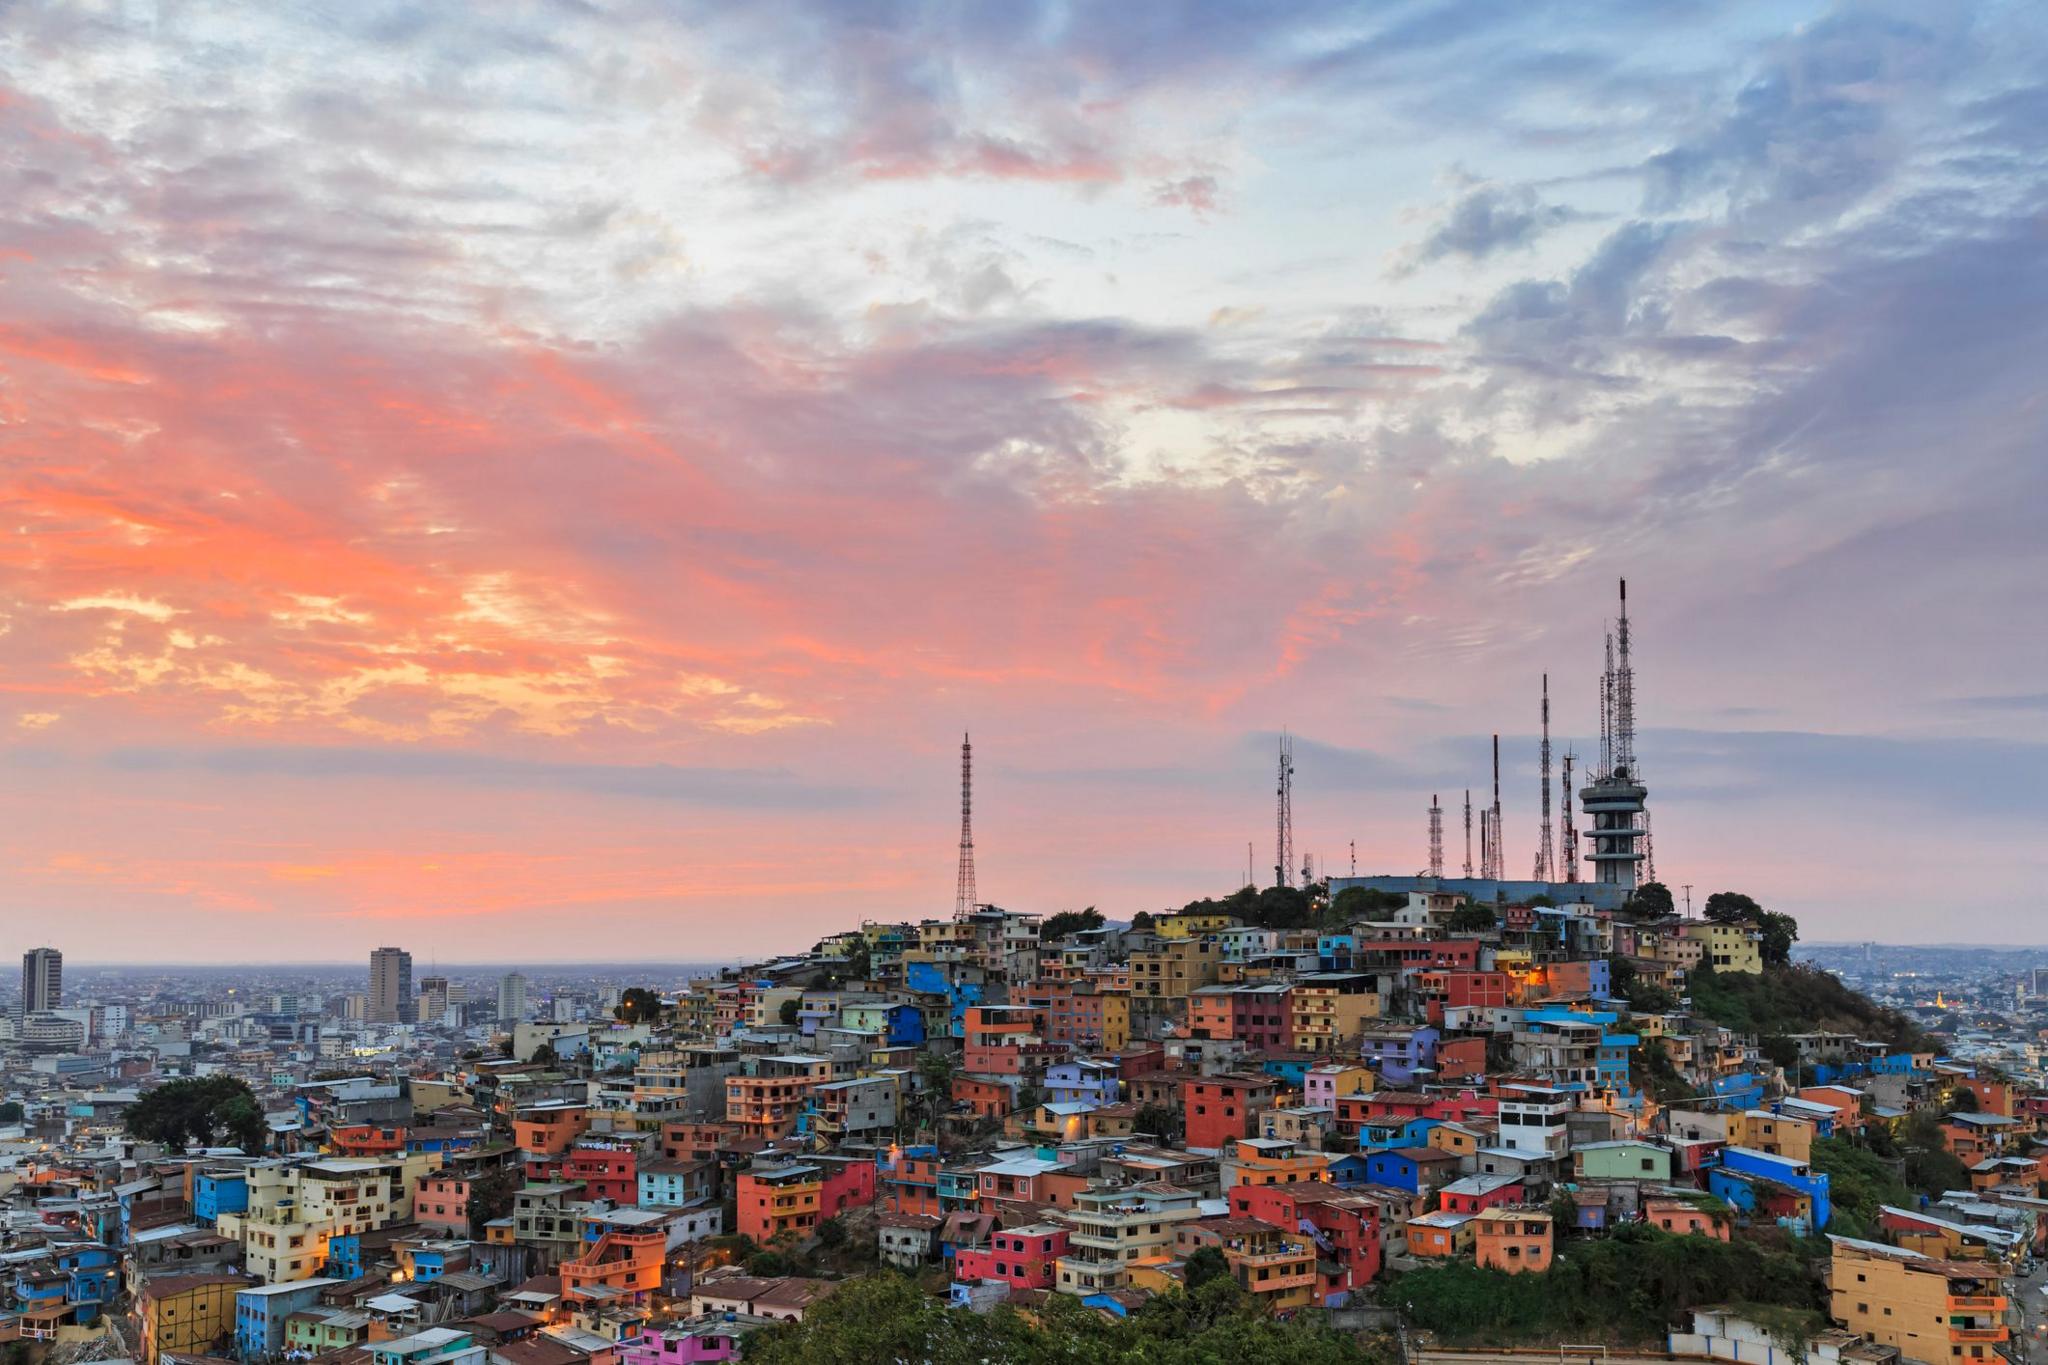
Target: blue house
[(1403, 1168), (1391, 1133), (1758, 1182), (1336, 952), (1083, 1080), (1349, 1169), (1743, 1090), (261, 1310), (905, 1025), (1293, 1070), (217, 1192), (934, 978), (84, 1278), (1398, 1053)]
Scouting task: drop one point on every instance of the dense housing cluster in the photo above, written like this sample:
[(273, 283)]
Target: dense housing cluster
[(1003, 1106)]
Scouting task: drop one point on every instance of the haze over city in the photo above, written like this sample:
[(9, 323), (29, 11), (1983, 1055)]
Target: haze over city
[(476, 473)]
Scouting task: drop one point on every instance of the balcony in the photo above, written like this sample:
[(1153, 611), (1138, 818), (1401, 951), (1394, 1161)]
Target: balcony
[(1993, 1334), (1978, 1303)]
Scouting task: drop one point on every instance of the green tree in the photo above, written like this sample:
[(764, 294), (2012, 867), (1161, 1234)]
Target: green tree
[(1203, 1265), (1651, 900), (1777, 933), (1069, 922), (200, 1110), (935, 1071), (545, 1056), (639, 1005), (1142, 922), (1155, 1120), (490, 1198), (1473, 917), (790, 1011), (832, 1233), (1732, 907), (1365, 903), (11, 1112)]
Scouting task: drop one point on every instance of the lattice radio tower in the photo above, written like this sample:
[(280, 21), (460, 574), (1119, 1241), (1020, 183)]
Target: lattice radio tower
[(1544, 866), (963, 890), (1283, 831), (1436, 838), (1468, 834)]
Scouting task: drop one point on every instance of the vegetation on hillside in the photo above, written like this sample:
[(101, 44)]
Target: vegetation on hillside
[(1797, 999), (1631, 1286), (886, 1317)]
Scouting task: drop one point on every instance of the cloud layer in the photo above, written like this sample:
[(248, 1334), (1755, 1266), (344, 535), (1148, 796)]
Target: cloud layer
[(605, 454)]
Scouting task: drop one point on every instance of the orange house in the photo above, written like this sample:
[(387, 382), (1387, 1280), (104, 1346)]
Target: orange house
[(1514, 1240), (1440, 1235), (618, 1264), (986, 1099), (777, 1200), (366, 1139), (1684, 1218), (548, 1129)]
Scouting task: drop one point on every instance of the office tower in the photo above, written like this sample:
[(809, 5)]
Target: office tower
[(512, 999), (433, 1002), (390, 987), (42, 980)]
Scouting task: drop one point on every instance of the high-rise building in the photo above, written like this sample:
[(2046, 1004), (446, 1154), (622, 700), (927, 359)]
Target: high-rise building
[(42, 980), (390, 999), (512, 999), (433, 1002)]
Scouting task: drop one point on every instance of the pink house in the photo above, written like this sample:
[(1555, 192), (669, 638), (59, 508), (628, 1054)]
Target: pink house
[(442, 1202), (1023, 1257), (688, 1343)]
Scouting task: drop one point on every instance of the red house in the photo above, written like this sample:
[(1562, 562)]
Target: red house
[(849, 1183), (1346, 1231), (1023, 1257), (1473, 1193), (1219, 1109), (608, 1170)]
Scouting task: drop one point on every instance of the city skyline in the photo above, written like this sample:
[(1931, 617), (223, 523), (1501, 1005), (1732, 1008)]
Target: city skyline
[(481, 475)]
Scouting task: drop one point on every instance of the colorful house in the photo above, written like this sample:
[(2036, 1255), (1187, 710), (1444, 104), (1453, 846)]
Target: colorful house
[(1514, 1240)]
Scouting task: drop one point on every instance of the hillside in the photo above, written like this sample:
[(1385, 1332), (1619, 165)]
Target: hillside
[(1797, 999)]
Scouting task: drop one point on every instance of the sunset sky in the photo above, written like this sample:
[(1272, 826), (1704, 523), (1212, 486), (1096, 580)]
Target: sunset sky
[(532, 481)]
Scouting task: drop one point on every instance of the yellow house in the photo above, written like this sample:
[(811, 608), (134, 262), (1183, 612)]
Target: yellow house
[(186, 1314), (1174, 968), (1184, 925), (1728, 947), (1458, 1139), (1774, 1133), (1330, 1010), (1931, 1310)]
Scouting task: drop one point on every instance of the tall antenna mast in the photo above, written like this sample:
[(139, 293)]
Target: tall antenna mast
[(1649, 849), (963, 890), (1568, 837), (1624, 698), (1500, 864), (1354, 857), (1468, 833), (1544, 870), (1606, 714), (1283, 832), (1436, 838)]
